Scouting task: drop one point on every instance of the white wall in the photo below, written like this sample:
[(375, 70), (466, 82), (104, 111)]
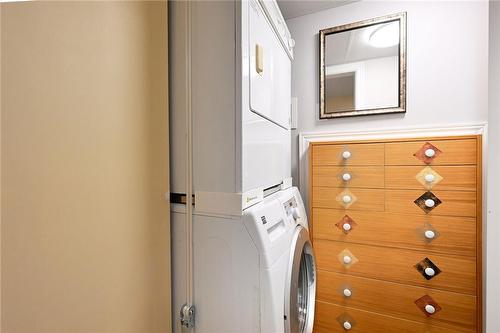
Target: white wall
[(493, 227), (381, 84), (447, 65), (447, 80)]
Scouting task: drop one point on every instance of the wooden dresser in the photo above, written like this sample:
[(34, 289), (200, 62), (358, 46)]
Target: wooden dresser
[(396, 228)]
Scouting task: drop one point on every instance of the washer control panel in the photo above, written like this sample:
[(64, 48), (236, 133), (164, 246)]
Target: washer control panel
[(292, 209)]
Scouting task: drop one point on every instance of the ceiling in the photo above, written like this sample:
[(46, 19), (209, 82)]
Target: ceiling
[(351, 46), (295, 8)]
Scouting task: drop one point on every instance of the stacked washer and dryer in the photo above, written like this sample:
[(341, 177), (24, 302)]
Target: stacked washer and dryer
[(242, 260)]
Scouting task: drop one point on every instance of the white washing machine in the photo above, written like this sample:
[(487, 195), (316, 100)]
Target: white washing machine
[(278, 227), (255, 273)]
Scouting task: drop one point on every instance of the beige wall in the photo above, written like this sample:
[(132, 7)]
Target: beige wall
[(84, 165)]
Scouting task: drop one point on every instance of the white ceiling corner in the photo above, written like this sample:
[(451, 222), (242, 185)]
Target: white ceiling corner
[(295, 8)]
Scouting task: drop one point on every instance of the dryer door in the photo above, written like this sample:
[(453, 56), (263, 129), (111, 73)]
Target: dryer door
[(270, 70), (300, 292)]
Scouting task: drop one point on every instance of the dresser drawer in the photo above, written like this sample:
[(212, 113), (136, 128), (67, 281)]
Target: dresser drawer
[(361, 199), (398, 265), (398, 300), (330, 317), (348, 176), (360, 154), (453, 203), (448, 152), (456, 178), (453, 235)]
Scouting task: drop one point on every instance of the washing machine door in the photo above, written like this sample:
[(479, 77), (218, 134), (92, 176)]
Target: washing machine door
[(300, 287)]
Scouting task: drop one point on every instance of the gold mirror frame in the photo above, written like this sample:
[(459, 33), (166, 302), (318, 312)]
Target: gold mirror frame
[(401, 108)]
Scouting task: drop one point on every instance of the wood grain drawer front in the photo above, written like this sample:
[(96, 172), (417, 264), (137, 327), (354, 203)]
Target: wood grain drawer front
[(359, 176), (361, 199), (452, 152), (453, 203), (453, 235), (456, 178), (361, 154), (457, 274), (329, 318), (397, 300)]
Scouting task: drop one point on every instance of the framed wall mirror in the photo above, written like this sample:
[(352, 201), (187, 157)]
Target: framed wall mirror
[(363, 68)]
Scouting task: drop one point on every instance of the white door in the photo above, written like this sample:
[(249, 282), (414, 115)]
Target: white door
[(270, 70)]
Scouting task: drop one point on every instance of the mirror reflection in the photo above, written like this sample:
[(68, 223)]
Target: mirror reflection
[(361, 68)]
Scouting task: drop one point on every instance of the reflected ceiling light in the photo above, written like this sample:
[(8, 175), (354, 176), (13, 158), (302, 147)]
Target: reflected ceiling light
[(385, 36)]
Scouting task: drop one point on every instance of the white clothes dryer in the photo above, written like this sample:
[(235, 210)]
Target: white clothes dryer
[(230, 93)]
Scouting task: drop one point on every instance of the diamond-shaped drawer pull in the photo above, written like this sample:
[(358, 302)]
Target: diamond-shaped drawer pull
[(428, 177), (427, 201), (427, 268), (346, 224), (347, 259), (427, 153), (346, 198), (427, 305)]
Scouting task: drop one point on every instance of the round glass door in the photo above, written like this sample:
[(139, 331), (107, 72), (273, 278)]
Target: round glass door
[(300, 292)]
